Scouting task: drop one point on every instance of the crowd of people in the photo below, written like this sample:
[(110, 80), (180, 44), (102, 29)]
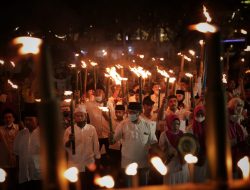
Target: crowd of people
[(107, 141)]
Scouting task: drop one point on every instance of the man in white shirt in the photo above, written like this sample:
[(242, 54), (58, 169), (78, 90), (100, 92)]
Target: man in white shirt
[(86, 147), (137, 139), (27, 149)]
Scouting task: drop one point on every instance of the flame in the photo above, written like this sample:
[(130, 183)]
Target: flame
[(92, 63), (247, 71), (189, 75), (104, 52), (204, 27), (191, 159), (224, 78), (29, 44), (38, 100), (159, 165), (12, 63), (171, 71), (153, 59), (84, 65), (243, 164), (172, 79), (114, 75), (161, 59), (187, 58), (105, 181), (242, 31), (12, 84), (67, 100), (139, 71), (3, 175), (105, 109), (72, 65), (206, 14), (77, 54), (67, 93), (192, 52), (2, 62), (163, 73), (141, 56), (119, 66), (201, 42), (71, 174), (131, 169)]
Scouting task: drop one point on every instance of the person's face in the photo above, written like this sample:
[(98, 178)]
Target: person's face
[(200, 113), (147, 108), (172, 103), (80, 117), (176, 125), (183, 86), (238, 108), (99, 92), (119, 114), (8, 118), (30, 123), (156, 89), (180, 97)]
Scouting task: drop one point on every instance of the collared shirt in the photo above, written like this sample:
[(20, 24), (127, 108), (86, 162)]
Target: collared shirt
[(27, 148), (152, 123), (97, 119), (7, 136), (136, 141), (86, 146)]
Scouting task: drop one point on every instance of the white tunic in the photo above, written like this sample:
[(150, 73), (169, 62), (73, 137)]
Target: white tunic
[(27, 148), (86, 147), (136, 141), (177, 173)]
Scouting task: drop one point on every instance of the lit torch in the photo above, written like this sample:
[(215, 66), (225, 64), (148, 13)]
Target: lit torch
[(105, 181), (159, 165), (131, 170), (243, 164)]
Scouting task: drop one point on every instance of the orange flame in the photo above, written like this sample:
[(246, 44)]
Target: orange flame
[(12, 84), (159, 165), (71, 174), (29, 44), (114, 75), (105, 181), (163, 73), (191, 159), (189, 75), (3, 175), (139, 71), (243, 164), (206, 14), (84, 65), (204, 27), (131, 169)]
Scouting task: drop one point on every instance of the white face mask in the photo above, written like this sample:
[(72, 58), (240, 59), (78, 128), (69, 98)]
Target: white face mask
[(98, 98), (133, 117), (200, 119)]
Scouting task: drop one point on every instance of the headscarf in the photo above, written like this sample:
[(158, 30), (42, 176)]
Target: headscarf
[(173, 137)]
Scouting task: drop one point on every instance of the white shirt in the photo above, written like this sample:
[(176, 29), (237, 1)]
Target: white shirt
[(27, 148), (151, 122), (86, 146), (97, 119), (136, 141)]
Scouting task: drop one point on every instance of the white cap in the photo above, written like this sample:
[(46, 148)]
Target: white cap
[(80, 108)]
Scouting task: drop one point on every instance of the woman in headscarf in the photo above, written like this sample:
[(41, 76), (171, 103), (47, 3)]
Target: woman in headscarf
[(168, 142), (199, 131), (237, 134)]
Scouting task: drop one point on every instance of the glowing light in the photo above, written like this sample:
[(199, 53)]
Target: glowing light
[(67, 100), (189, 75), (171, 71), (201, 42), (163, 73), (187, 58), (12, 84), (72, 65), (192, 52), (206, 14), (118, 66), (221, 58), (84, 65), (204, 27), (247, 49), (153, 59), (105, 181), (92, 63), (71, 174), (172, 79), (3, 175), (114, 75), (2, 62), (38, 100), (67, 93), (224, 78), (139, 71), (159, 165), (161, 59), (61, 37), (77, 54), (131, 169), (30, 45), (191, 159), (104, 52), (105, 109), (247, 71), (12, 64), (243, 164), (141, 56), (242, 60), (242, 31)]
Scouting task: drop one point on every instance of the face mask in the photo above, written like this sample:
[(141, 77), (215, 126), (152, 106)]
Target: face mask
[(133, 117), (98, 98), (200, 119)]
